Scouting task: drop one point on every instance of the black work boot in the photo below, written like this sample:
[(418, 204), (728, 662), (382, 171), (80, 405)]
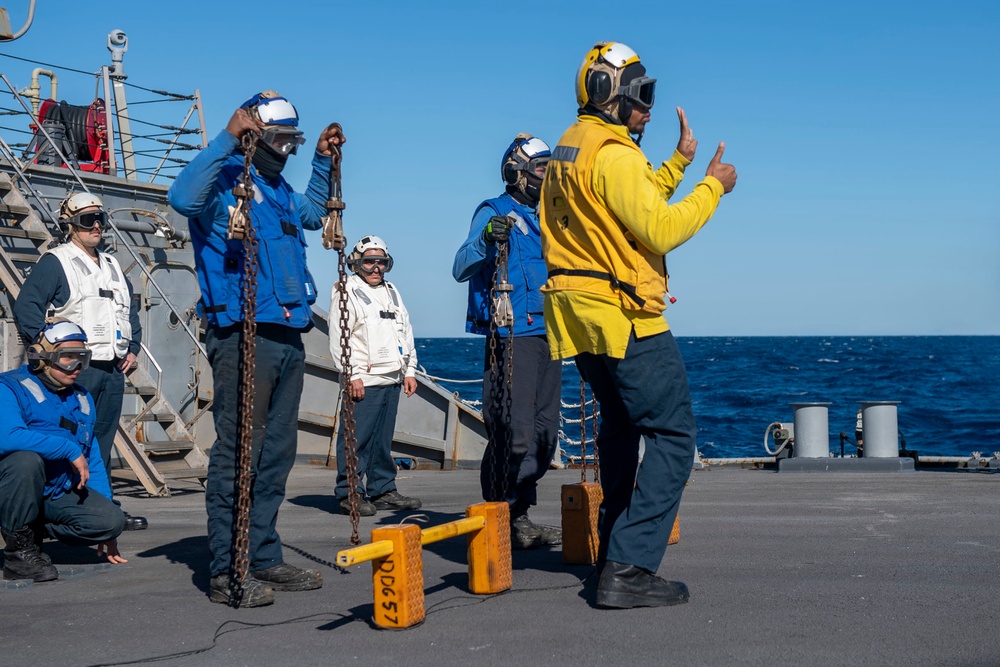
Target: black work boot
[(623, 586), (394, 500), (255, 593), (23, 558), (285, 577), (524, 534), (548, 536), (365, 508), (135, 522)]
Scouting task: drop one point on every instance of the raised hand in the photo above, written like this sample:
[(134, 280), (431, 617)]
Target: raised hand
[(724, 172), (687, 144), (333, 134), (241, 123)]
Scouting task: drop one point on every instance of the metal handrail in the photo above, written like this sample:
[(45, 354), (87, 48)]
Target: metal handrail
[(128, 246)]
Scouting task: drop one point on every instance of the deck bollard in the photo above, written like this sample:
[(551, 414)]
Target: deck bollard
[(880, 429), (812, 430), (396, 553)]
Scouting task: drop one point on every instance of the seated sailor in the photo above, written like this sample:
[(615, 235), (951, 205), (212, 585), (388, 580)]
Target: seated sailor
[(52, 478)]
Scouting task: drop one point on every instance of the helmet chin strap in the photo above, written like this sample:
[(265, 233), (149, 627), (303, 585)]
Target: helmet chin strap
[(45, 375)]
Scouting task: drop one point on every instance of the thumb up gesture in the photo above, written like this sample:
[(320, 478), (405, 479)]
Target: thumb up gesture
[(724, 172)]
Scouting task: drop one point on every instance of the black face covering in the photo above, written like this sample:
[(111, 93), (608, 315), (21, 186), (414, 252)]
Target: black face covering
[(532, 188), (268, 161)]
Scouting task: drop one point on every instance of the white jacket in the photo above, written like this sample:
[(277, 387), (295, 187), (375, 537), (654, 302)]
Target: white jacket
[(98, 302), (381, 338)]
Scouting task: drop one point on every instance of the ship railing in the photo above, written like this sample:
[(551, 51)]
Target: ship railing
[(122, 238), (155, 149)]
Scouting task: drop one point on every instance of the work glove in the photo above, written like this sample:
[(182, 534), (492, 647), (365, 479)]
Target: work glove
[(497, 229)]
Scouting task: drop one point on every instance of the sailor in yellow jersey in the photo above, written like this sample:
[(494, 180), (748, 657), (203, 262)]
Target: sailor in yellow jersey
[(606, 228)]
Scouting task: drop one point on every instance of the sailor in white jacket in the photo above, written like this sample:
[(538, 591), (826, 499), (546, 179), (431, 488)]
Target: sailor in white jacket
[(383, 357)]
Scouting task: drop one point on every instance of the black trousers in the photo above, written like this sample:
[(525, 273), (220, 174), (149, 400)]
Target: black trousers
[(529, 404)]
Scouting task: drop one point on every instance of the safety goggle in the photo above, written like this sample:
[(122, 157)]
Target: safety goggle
[(642, 91), (372, 262), (89, 220), (537, 166), (282, 140), (60, 332), (67, 360)]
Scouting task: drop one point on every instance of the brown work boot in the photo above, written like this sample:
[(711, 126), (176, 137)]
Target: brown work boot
[(23, 558)]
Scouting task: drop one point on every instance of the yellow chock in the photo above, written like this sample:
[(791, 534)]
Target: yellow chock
[(580, 505), (490, 569), (398, 578), (675, 532)]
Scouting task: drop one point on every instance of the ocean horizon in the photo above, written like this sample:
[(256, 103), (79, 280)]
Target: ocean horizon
[(945, 385)]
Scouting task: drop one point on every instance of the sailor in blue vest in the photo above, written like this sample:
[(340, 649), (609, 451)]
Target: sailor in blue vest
[(52, 478), (535, 379), (285, 292)]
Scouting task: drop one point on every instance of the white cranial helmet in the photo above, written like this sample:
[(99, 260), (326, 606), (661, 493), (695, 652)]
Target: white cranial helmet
[(368, 242)]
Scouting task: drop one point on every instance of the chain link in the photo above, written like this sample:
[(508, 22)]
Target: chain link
[(594, 412), (501, 315), (241, 227), (583, 430), (333, 237)]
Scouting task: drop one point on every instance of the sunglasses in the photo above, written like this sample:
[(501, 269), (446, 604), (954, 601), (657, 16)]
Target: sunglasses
[(89, 220)]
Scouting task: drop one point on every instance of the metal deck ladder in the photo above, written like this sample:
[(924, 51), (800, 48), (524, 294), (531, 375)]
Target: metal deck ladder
[(153, 440)]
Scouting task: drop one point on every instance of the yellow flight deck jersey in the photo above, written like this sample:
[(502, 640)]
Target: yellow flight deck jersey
[(606, 227)]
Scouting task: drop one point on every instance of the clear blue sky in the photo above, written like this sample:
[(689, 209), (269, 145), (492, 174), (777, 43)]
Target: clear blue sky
[(865, 135)]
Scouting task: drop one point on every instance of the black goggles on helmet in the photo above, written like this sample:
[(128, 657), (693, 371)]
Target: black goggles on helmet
[(285, 141), (67, 360), (89, 220), (641, 90)]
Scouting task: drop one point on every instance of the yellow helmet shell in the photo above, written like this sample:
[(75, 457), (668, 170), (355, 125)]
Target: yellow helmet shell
[(613, 56)]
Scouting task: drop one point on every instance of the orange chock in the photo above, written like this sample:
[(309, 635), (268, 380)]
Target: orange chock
[(675, 532), (580, 505), (490, 569), (398, 579)]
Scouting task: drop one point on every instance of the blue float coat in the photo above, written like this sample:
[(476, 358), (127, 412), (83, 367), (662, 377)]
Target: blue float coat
[(475, 262)]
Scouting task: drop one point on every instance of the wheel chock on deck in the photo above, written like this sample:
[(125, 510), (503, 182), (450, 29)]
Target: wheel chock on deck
[(396, 553), (581, 504)]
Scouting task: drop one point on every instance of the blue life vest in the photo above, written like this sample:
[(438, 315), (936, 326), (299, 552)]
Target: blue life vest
[(526, 272), (285, 288), (71, 416)]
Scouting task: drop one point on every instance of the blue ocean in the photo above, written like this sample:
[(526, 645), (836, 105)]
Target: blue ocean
[(949, 403)]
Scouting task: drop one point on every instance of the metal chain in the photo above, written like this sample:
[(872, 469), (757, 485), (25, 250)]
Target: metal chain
[(583, 430), (594, 412), (241, 227), (333, 237), (501, 315), (505, 317)]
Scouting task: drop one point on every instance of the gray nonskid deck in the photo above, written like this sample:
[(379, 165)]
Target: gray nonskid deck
[(833, 569)]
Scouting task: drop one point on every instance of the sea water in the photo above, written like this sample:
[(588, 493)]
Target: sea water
[(949, 403)]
